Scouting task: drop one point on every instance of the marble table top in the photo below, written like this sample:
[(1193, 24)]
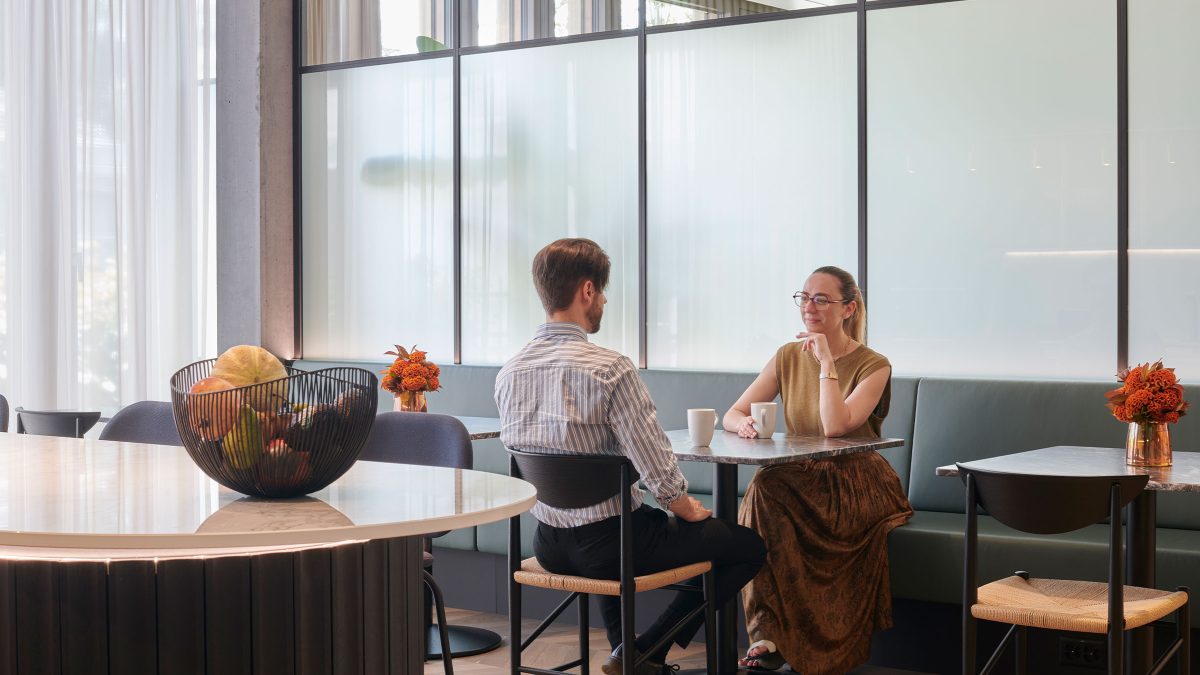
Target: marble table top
[(1069, 460), (89, 494), (480, 427), (729, 448)]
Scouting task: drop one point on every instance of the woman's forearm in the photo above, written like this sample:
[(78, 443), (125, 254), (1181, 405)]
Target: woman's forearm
[(835, 414), (733, 418)]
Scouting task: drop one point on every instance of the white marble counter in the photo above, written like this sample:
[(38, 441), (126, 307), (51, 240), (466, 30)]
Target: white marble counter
[(729, 448), (87, 494), (480, 427), (1069, 460)]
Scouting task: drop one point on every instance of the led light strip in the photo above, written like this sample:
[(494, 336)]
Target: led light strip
[(1102, 252)]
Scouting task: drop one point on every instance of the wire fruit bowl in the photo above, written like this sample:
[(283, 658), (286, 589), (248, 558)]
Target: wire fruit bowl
[(282, 438)]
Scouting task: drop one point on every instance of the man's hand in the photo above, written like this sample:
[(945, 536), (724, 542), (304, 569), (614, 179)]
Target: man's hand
[(690, 509)]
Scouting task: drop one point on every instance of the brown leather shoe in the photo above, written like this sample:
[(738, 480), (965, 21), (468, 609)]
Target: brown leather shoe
[(614, 666)]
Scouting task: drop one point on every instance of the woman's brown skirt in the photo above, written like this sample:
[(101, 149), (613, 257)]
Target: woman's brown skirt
[(825, 588)]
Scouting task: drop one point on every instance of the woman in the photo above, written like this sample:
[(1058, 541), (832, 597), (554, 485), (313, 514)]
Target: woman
[(825, 587)]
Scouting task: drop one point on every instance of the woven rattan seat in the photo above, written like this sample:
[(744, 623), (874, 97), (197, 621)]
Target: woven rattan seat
[(533, 574), (1080, 606)]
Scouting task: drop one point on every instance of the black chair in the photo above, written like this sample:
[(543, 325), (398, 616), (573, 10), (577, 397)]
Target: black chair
[(431, 440), (68, 423), (3, 413), (1054, 505), (143, 422), (577, 481)]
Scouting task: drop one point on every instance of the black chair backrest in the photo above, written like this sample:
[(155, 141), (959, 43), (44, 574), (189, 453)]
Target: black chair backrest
[(1049, 504), (68, 423), (3, 413), (573, 481), (419, 438), (143, 422)]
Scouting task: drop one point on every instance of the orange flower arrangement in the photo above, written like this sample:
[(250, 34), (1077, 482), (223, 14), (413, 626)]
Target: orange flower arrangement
[(411, 372), (1149, 393)]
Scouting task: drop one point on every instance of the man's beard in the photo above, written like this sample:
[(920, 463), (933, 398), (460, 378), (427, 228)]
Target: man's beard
[(595, 313)]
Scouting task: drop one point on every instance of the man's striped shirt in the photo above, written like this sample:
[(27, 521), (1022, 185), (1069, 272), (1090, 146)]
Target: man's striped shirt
[(562, 394)]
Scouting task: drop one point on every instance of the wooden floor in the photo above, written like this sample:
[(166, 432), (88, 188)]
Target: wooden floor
[(561, 644)]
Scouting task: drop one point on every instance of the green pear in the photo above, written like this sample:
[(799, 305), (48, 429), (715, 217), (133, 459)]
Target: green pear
[(243, 444)]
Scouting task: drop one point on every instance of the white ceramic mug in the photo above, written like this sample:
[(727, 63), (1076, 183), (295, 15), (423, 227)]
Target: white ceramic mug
[(764, 415), (701, 423)]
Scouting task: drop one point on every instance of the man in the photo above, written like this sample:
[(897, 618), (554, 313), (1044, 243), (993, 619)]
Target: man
[(562, 394)]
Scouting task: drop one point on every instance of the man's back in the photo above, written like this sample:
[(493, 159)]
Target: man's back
[(554, 392), (562, 394)]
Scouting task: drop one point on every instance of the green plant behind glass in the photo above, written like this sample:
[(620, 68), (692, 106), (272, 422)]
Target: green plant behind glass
[(428, 44)]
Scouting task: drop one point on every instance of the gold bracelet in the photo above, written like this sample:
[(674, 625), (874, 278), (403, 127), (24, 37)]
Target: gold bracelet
[(829, 376)]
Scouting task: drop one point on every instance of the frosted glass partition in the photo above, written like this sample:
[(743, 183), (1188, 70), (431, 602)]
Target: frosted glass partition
[(1164, 204), (549, 143), (993, 188), (752, 164), (378, 210)]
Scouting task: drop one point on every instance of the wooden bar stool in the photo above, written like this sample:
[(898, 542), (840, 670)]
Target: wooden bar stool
[(1041, 504), (577, 481)]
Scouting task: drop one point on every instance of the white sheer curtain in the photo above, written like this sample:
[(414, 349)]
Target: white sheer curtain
[(107, 249)]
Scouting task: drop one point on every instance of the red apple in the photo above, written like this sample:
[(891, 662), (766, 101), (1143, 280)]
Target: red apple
[(212, 416), (273, 425), (282, 467)]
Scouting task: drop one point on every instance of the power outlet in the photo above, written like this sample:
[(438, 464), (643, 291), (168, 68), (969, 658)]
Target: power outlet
[(1081, 653)]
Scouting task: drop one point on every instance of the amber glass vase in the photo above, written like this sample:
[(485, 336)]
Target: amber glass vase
[(410, 401), (1148, 444)]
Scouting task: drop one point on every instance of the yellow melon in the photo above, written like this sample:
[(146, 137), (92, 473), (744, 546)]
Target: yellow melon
[(245, 365)]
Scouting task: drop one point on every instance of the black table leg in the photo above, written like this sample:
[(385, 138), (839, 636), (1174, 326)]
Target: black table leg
[(1140, 546), (725, 484), (464, 641)]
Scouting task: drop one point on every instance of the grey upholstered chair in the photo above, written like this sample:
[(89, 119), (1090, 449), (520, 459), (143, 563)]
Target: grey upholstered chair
[(431, 440), (3, 413), (143, 422), (426, 439), (68, 423)]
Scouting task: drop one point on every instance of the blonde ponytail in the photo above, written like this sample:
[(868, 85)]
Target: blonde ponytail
[(855, 325)]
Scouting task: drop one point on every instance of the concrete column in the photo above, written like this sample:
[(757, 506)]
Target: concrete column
[(255, 300)]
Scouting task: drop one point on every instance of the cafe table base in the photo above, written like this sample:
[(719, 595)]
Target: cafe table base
[(464, 641), (725, 505), (725, 484), (352, 607)]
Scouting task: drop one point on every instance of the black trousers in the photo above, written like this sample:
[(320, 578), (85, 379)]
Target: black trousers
[(659, 542)]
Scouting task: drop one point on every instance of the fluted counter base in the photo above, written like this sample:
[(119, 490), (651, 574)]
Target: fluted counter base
[(350, 608)]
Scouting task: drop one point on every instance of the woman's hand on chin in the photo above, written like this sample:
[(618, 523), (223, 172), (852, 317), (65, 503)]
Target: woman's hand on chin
[(817, 344)]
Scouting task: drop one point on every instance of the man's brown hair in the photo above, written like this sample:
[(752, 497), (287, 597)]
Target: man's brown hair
[(561, 266)]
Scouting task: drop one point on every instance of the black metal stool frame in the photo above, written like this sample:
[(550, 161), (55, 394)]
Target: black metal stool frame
[(1054, 505), (577, 481)]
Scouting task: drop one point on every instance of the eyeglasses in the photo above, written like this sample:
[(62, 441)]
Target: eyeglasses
[(821, 301)]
